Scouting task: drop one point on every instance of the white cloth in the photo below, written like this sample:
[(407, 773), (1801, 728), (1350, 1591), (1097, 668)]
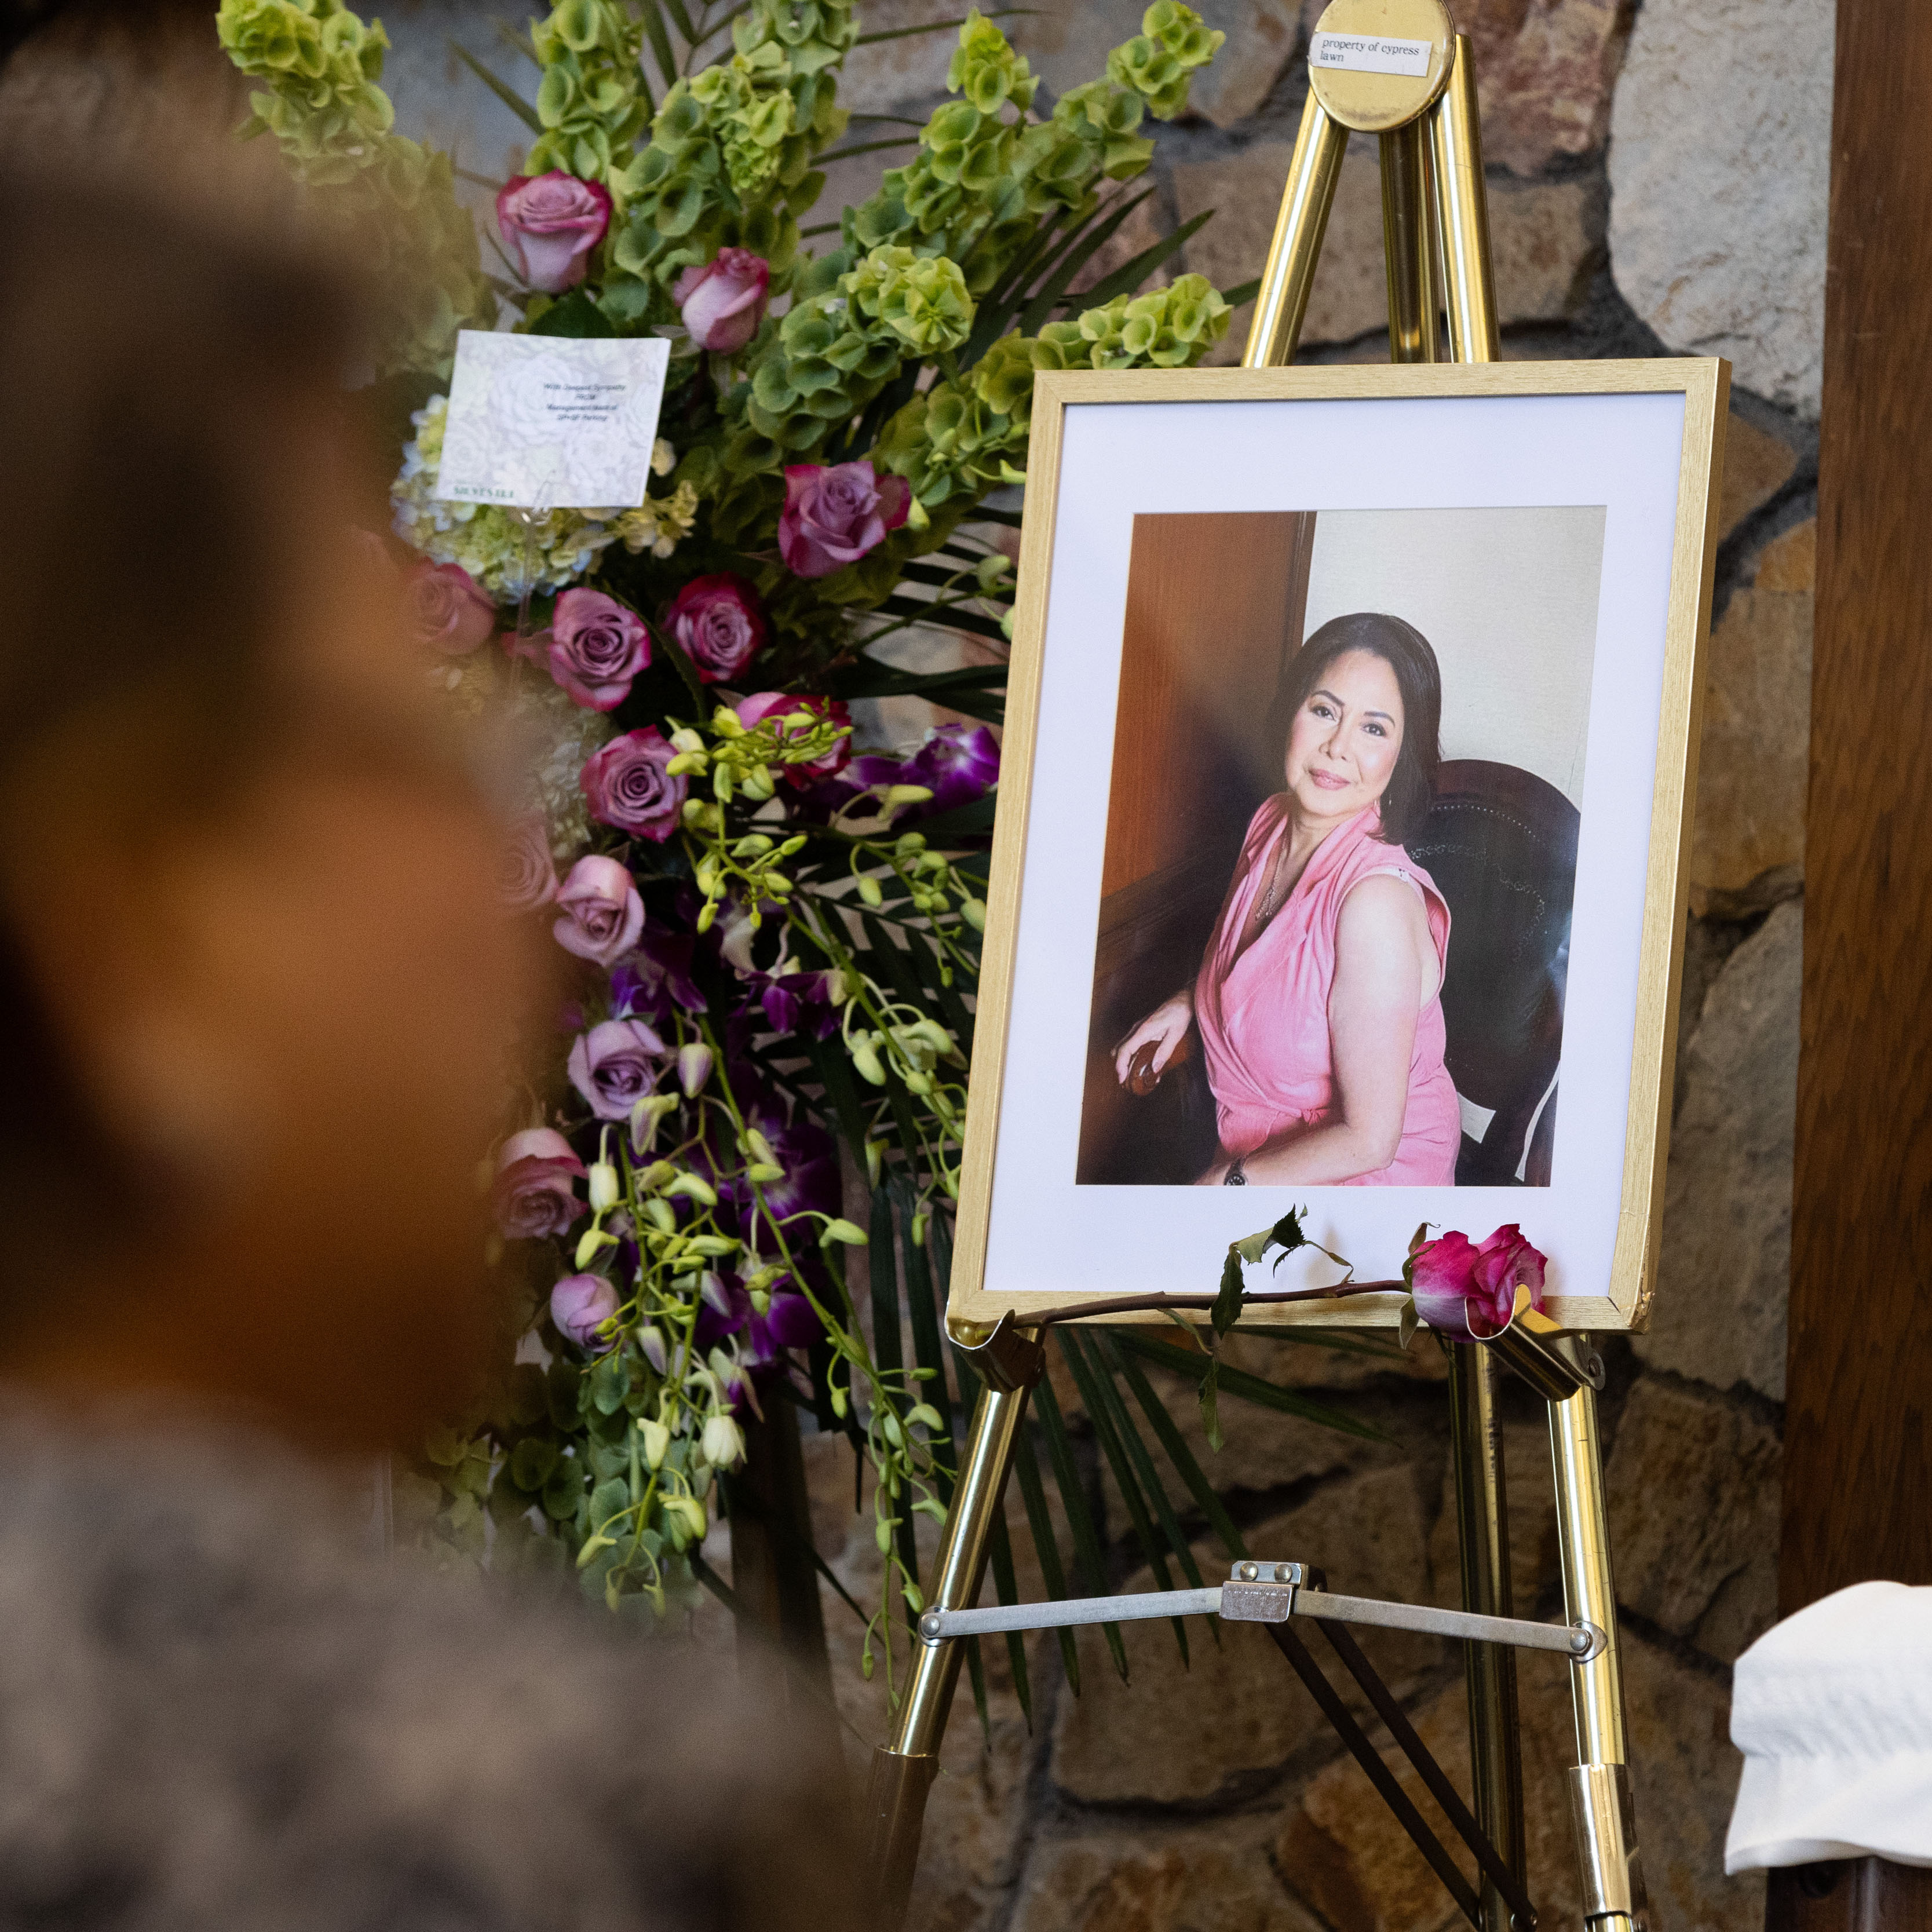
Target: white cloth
[(1832, 1709)]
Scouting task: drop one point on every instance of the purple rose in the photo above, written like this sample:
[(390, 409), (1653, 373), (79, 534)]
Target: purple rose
[(532, 1195), (957, 764), (596, 647), (602, 914), (527, 879), (614, 1066), (723, 302), (447, 611), (719, 623), (579, 1305), (832, 516), (550, 223), (753, 711), (1469, 1292), (628, 787)]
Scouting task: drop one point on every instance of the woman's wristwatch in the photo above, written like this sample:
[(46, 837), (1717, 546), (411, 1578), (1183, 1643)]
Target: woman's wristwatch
[(1234, 1178)]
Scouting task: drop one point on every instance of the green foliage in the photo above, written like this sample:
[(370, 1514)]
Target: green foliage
[(1156, 63), (591, 100)]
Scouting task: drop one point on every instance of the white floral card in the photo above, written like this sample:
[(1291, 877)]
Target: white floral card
[(550, 422)]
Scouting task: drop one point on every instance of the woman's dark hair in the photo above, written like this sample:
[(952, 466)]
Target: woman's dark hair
[(1411, 786)]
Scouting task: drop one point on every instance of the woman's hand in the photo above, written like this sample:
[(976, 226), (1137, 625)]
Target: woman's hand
[(1166, 1027)]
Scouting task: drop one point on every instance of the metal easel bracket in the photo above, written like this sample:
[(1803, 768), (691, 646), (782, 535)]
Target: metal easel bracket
[(1267, 1593)]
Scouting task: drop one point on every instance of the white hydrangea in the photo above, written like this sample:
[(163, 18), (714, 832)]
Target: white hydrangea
[(504, 553)]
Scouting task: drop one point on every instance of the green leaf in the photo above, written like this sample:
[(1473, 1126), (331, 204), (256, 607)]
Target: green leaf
[(507, 94), (1088, 1378), (575, 315), (610, 1383), (608, 1499), (1072, 260), (1032, 1492), (1242, 291), (1183, 1458), (1079, 1518), (1005, 1588), (681, 20), (654, 30), (1254, 1388), (931, 27), (531, 1462), (1151, 1485), (1210, 1393), (1125, 279), (1227, 1308)]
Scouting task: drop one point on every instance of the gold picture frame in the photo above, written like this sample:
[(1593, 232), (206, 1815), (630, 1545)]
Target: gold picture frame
[(1704, 385)]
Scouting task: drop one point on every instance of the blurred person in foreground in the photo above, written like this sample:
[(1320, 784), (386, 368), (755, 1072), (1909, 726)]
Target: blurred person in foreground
[(256, 1005)]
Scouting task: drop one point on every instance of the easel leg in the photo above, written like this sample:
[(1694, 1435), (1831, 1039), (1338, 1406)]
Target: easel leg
[(903, 1772), (1283, 302), (1463, 210), (1408, 227), (1482, 1519), (1614, 1899)]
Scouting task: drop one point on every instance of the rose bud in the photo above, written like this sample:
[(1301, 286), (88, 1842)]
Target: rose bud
[(832, 516), (615, 1065), (448, 611), (628, 787), (595, 648), (602, 913), (579, 1305), (723, 302), (718, 621), (532, 1195), (1469, 1292), (527, 878), (550, 223)]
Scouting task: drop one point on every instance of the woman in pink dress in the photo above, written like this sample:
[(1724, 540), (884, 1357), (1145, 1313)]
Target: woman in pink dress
[(1318, 1003)]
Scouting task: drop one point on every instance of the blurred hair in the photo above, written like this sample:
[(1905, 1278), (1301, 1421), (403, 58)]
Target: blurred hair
[(152, 364), (1411, 785)]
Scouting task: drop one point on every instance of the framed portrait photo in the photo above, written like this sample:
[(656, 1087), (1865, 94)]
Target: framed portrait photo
[(1340, 862)]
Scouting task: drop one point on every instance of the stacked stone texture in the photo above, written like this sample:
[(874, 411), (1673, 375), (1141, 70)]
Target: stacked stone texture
[(1656, 186)]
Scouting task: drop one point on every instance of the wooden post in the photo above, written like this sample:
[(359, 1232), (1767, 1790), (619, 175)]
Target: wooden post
[(1858, 1470)]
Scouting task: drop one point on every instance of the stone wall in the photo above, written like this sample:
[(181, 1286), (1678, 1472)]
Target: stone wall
[(1657, 184)]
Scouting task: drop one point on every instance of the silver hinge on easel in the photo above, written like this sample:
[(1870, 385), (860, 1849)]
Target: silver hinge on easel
[(1268, 1593)]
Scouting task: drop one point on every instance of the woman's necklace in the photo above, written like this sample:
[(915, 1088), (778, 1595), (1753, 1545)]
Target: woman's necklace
[(1265, 911)]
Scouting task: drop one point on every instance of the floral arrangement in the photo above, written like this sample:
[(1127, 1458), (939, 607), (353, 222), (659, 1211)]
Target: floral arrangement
[(775, 940)]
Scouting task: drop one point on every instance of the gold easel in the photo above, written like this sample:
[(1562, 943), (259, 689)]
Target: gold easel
[(1399, 70)]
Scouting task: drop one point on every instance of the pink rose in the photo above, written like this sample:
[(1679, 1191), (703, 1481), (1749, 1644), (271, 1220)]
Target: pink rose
[(1469, 1292), (753, 711), (833, 517), (549, 224), (596, 647), (615, 1066), (628, 787), (447, 610), (528, 879), (579, 1305), (723, 302), (532, 1195), (718, 621), (602, 914)]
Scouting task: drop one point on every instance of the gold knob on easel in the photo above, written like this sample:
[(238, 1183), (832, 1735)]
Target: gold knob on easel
[(1376, 65)]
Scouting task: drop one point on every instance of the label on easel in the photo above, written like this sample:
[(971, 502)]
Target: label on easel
[(1369, 53)]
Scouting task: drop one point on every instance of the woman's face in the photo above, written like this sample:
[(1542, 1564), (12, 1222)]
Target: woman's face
[(1343, 742)]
